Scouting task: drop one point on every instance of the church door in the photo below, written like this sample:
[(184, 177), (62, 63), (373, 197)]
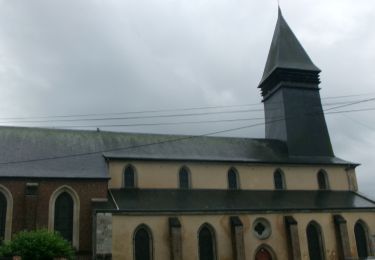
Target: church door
[(263, 254)]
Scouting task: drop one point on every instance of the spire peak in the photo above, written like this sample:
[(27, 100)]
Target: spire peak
[(286, 52)]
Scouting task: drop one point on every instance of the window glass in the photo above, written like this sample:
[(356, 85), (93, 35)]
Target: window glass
[(279, 180), (314, 241), (142, 244), (232, 179), (64, 216), (322, 180), (206, 244), (361, 239), (184, 178), (129, 177)]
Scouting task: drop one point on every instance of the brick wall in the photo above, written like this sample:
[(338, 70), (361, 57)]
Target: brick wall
[(23, 217)]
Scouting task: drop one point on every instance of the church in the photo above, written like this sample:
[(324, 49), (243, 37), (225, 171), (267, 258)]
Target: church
[(150, 196)]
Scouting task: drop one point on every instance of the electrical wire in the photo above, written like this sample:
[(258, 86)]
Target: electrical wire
[(127, 147), (168, 110), (168, 115), (194, 122), (156, 143)]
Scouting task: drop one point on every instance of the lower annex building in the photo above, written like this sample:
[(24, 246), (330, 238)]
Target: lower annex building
[(148, 196)]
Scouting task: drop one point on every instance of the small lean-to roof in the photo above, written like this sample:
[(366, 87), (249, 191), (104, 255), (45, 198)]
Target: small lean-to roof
[(195, 200), (286, 51), (53, 153)]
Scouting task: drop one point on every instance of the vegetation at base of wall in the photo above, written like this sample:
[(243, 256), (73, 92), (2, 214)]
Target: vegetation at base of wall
[(37, 245)]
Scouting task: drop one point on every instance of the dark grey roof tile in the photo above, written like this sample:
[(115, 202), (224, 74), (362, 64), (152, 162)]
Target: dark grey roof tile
[(286, 51), (53, 153), (141, 200)]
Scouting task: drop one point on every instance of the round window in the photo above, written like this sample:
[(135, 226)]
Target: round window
[(261, 228)]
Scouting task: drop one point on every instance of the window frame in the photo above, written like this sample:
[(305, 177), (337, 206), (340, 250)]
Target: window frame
[(134, 173), (276, 173), (213, 237), (57, 210), (234, 173), (367, 237), (322, 175), (76, 212), (319, 230), (188, 173), (151, 240), (9, 212)]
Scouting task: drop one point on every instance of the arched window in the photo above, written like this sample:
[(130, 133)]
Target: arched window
[(361, 240), (142, 243), (322, 180), (232, 179), (129, 177), (206, 237), (3, 214), (64, 213), (64, 216), (184, 178), (278, 178), (315, 241)]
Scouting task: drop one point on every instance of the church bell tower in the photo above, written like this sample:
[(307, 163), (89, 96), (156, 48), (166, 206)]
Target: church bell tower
[(290, 90)]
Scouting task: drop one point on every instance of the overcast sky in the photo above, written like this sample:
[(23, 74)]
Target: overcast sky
[(76, 57)]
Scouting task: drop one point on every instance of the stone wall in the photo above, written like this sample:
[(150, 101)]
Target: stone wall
[(103, 234)]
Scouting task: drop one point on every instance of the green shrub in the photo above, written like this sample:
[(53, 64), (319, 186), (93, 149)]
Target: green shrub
[(37, 245)]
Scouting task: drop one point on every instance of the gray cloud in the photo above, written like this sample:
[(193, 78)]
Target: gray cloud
[(74, 57)]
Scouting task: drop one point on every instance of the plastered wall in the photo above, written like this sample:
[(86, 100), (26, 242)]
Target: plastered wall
[(214, 176), (124, 226)]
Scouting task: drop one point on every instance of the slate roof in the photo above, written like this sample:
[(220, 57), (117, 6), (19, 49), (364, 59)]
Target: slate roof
[(286, 51), (195, 200), (53, 153)]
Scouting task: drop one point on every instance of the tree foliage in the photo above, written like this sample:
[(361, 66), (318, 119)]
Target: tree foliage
[(37, 245)]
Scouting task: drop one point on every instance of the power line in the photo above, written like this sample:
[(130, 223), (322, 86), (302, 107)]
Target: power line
[(352, 103), (136, 117), (132, 112), (166, 123), (194, 122), (153, 143), (352, 95), (166, 110), (360, 123), (168, 115), (350, 111), (128, 147)]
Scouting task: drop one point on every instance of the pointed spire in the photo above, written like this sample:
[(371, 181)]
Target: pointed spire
[(286, 52)]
